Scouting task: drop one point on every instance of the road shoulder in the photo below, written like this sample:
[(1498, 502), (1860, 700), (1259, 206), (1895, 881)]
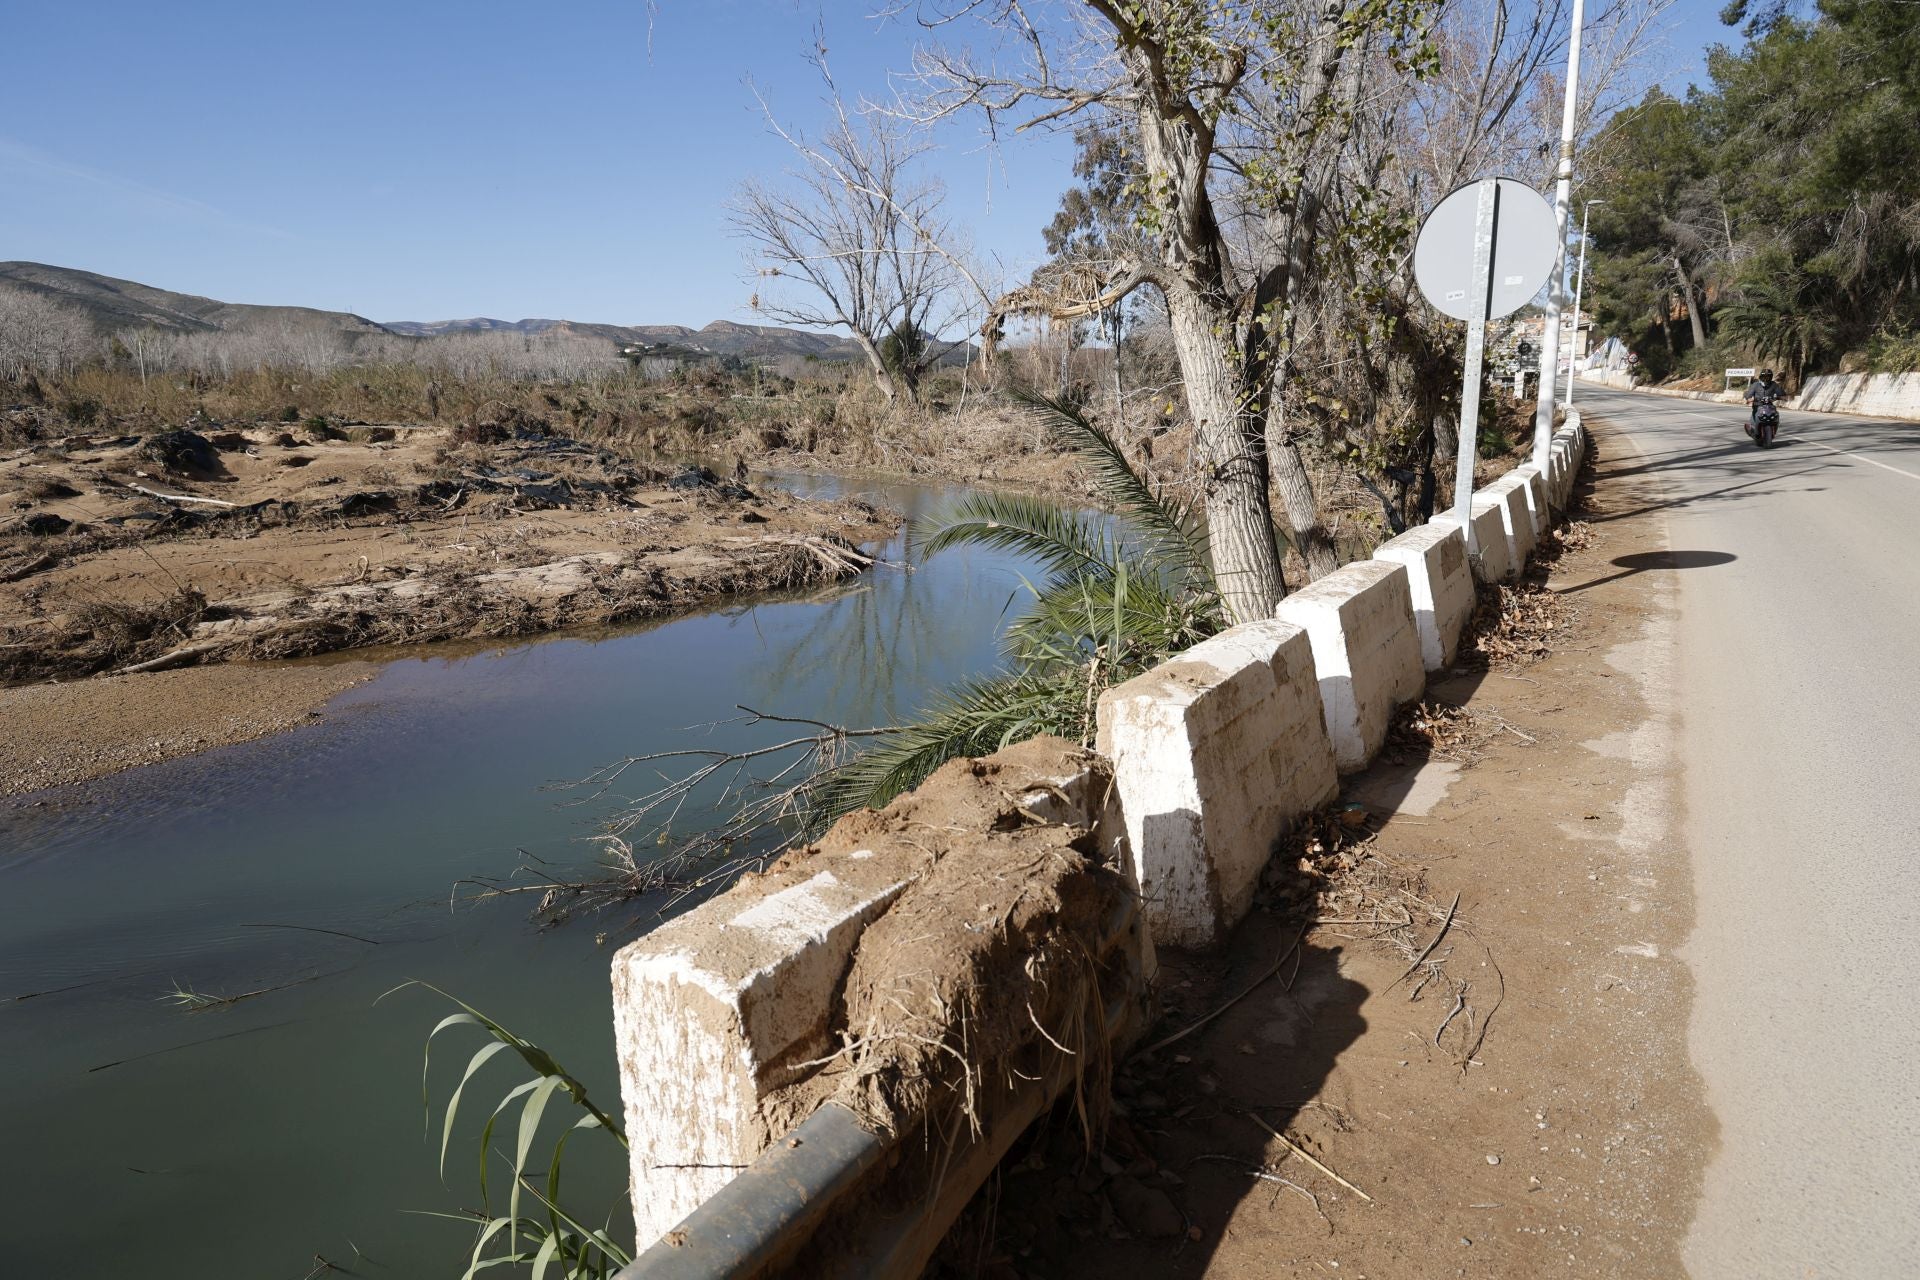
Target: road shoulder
[(1516, 1101)]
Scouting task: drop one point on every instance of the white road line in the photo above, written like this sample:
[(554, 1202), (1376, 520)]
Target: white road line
[(1858, 457)]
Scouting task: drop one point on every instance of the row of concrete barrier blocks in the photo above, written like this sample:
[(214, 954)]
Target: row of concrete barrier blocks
[(1219, 751), (1214, 755)]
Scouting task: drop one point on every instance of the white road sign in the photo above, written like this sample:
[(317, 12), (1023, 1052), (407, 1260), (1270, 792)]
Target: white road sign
[(1524, 234)]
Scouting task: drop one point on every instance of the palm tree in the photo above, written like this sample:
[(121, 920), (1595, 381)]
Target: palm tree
[(1115, 598), (1781, 314)]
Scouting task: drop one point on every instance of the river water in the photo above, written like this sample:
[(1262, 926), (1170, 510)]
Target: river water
[(265, 1137)]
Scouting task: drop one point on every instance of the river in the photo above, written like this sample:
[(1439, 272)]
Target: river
[(271, 1136)]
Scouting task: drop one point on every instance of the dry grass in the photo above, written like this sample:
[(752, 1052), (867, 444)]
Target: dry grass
[(1333, 871), (99, 636)]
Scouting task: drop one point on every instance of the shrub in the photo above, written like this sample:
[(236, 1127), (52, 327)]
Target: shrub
[(82, 411), (1894, 351), (480, 433)]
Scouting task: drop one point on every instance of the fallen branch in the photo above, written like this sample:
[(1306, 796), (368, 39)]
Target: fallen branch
[(173, 658), (1444, 926), (1251, 987), (179, 497), (1294, 1147), (30, 567)]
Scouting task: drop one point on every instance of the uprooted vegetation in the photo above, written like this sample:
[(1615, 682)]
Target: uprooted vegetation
[(201, 544)]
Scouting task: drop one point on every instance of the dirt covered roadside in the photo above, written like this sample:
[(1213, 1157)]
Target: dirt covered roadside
[(132, 554), (1451, 1039)]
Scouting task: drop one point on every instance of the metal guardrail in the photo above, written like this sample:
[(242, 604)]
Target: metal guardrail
[(758, 1223), (755, 1223)]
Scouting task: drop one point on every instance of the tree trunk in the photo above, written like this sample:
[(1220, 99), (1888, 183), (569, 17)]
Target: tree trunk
[(1440, 442), (882, 378), (1310, 536), (1290, 477), (1689, 296), (1246, 560)]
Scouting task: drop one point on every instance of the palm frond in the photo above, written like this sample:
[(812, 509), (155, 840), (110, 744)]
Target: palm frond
[(972, 719), (1135, 614), (1065, 542), (1167, 525)]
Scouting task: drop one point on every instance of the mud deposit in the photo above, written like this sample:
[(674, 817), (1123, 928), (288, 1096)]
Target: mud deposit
[(183, 547)]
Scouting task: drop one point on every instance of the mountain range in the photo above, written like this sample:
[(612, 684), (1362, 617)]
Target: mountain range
[(115, 305), (721, 338)]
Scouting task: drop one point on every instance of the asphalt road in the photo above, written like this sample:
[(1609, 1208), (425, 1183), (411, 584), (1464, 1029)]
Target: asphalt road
[(1799, 751)]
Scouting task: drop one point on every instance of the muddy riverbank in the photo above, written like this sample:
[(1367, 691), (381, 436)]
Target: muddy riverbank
[(137, 553), (136, 627)]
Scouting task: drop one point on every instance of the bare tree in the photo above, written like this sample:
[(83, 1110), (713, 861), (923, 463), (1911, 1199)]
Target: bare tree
[(1239, 113), (152, 350), (41, 335), (1375, 370), (854, 240)]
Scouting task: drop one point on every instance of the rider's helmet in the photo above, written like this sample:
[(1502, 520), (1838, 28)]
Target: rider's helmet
[(1766, 375)]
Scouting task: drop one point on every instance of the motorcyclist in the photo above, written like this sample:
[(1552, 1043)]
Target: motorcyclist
[(1762, 390)]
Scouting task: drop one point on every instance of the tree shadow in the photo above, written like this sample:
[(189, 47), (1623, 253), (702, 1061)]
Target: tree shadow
[(1190, 1122), (1649, 561)]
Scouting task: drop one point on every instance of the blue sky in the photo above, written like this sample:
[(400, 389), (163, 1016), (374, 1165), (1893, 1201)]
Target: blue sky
[(423, 160)]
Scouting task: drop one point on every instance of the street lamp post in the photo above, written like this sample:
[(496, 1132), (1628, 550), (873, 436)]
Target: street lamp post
[(1562, 199), (1579, 287)]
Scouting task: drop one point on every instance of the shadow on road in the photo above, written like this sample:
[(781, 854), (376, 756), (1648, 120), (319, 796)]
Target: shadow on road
[(1645, 561)]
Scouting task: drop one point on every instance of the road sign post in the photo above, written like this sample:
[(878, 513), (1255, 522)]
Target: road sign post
[(1510, 230), (1486, 238)]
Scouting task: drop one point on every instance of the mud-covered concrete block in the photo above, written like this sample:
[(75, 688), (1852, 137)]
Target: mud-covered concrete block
[(1487, 548), (713, 1012), (1214, 754), (1366, 650), (1440, 581), (721, 1017)]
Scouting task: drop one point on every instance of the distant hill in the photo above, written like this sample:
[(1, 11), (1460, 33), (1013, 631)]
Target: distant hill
[(113, 305), (721, 338), (116, 305)]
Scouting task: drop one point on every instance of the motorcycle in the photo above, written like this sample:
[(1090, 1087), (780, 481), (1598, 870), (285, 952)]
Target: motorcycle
[(1765, 423)]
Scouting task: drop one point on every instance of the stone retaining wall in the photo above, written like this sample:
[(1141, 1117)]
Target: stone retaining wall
[(1883, 395)]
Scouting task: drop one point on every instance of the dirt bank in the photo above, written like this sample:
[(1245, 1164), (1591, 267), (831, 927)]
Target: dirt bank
[(127, 556), (181, 548), (62, 733), (1474, 1042)]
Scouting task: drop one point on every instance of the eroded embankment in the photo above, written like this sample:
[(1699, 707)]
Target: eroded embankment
[(134, 554)]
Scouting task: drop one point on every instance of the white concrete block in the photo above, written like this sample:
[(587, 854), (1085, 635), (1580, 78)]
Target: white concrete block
[(1566, 453), (1440, 581), (714, 1011), (1533, 482), (1215, 753), (1366, 649), (1516, 516), (1487, 548)]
